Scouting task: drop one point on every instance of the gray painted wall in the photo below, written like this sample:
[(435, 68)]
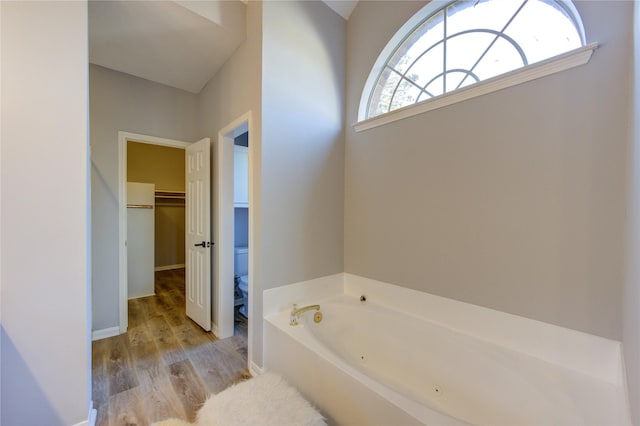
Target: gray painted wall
[(121, 102), (631, 295), (303, 73), (514, 200), (45, 288), (233, 91), (297, 47), (241, 225)]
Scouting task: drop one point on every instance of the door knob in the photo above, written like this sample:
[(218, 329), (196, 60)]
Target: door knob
[(204, 244)]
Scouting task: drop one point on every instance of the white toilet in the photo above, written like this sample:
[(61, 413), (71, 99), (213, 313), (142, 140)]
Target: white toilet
[(240, 267)]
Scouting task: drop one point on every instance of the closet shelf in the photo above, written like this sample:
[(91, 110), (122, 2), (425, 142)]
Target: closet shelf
[(174, 195)]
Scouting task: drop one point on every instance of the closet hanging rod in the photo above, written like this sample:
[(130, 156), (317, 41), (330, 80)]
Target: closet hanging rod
[(139, 206), (166, 204), (171, 197), (169, 194)]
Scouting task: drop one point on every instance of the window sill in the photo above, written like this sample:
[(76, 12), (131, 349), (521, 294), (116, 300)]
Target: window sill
[(553, 65)]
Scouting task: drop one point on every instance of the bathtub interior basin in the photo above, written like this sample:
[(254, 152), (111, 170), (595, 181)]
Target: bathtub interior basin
[(439, 375)]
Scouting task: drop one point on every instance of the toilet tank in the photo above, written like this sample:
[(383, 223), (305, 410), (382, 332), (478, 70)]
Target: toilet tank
[(241, 261)]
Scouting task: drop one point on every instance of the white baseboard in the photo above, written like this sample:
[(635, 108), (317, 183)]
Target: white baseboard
[(104, 333), (255, 370), (93, 415), (169, 267), (625, 386), (91, 418), (144, 295)]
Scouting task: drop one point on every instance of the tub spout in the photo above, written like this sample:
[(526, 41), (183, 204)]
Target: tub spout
[(296, 312)]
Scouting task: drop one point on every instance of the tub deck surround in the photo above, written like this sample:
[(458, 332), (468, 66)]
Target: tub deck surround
[(455, 363), (586, 353), (303, 293)]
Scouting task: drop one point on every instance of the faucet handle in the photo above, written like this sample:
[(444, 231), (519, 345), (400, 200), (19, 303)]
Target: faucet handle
[(293, 319)]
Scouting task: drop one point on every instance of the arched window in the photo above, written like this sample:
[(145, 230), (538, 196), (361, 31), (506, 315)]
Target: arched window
[(451, 45)]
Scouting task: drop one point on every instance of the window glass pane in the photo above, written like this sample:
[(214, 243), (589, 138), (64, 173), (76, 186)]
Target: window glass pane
[(428, 66), (501, 58), (425, 36), (436, 86), (465, 50), (486, 14), (406, 94), (468, 80), (423, 97), (557, 35), (454, 78), (381, 96)]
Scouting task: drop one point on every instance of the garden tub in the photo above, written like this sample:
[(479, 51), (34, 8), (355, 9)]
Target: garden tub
[(366, 363)]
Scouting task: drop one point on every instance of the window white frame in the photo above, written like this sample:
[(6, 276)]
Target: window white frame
[(568, 60), (552, 65)]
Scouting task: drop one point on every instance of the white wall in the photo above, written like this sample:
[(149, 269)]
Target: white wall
[(291, 70), (121, 102), (232, 92), (631, 295), (514, 200), (303, 66), (303, 63), (45, 255)]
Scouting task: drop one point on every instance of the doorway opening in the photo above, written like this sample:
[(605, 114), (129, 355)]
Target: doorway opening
[(164, 197), (235, 241), (155, 214), (241, 225)]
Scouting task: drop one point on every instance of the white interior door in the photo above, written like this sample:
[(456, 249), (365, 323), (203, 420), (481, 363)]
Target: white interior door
[(198, 233)]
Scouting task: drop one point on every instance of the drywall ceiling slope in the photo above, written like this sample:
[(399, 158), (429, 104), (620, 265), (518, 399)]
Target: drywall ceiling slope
[(343, 8), (177, 43)]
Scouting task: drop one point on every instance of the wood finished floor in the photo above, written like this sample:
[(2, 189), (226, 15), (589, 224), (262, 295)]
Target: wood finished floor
[(165, 365)]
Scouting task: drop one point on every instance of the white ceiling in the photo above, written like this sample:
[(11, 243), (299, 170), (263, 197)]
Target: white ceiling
[(342, 7), (180, 44)]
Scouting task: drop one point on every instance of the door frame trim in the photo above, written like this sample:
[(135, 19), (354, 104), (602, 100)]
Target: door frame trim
[(224, 228), (123, 139)]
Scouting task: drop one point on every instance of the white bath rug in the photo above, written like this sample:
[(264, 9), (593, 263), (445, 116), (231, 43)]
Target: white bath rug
[(172, 422), (265, 400)]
